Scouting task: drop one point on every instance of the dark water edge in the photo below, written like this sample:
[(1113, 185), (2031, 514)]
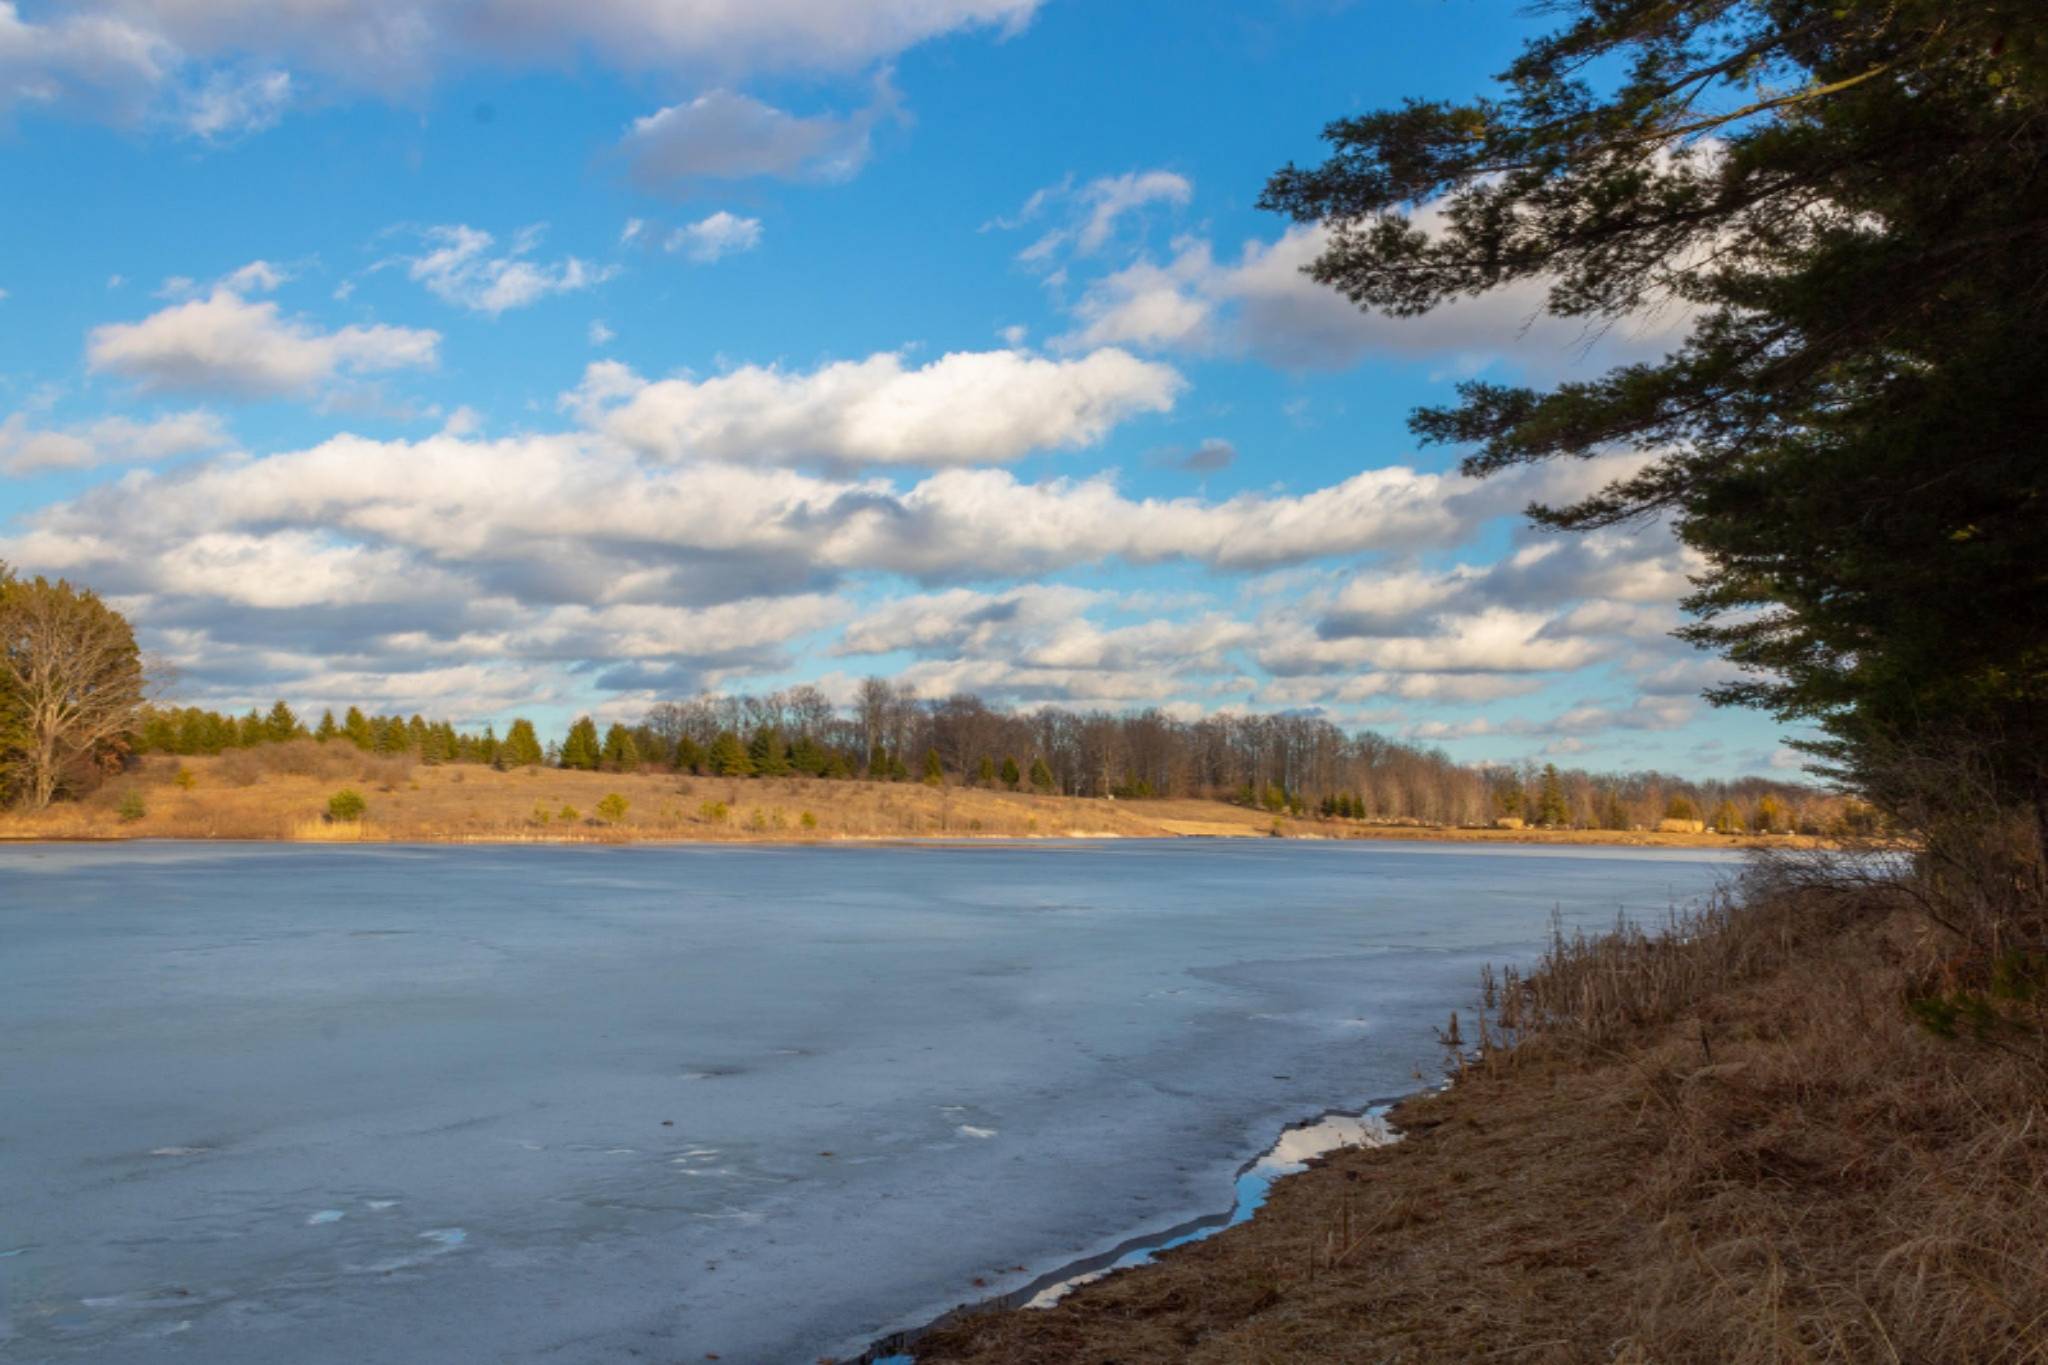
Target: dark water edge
[(1253, 1183)]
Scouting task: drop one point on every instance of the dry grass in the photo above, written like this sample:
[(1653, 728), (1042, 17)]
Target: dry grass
[(280, 792), (1724, 1143)]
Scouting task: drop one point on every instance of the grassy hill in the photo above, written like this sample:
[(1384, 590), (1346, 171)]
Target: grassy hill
[(282, 792)]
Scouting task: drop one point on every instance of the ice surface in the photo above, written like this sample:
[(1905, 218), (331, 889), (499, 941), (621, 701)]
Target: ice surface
[(585, 1104)]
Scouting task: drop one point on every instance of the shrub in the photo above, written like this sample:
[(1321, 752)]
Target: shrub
[(809, 820), (568, 813), (714, 811), (131, 808), (184, 779), (541, 813), (346, 806), (310, 758), (612, 809)]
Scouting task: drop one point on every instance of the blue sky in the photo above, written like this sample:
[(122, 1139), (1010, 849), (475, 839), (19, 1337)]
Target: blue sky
[(482, 356)]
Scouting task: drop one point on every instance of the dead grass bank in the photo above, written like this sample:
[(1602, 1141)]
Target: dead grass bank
[(1728, 1144), (281, 791)]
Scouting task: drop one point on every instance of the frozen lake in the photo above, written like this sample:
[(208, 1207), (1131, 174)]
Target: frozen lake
[(272, 1103)]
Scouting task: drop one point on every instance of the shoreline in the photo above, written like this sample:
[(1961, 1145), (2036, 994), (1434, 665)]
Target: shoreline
[(236, 798), (1746, 1152), (1141, 1249), (1731, 843)]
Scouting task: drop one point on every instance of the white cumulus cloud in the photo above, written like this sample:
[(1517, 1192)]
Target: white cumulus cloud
[(726, 135), (228, 344), (25, 449), (969, 407), (460, 268), (714, 237)]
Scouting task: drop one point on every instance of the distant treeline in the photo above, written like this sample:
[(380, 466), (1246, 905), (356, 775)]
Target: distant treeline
[(1294, 764)]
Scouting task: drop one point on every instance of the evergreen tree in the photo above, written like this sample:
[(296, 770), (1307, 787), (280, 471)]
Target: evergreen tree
[(768, 754), (1012, 776), (1041, 776), (488, 749), (391, 735), (934, 768), (581, 750), (728, 757), (521, 746), (1845, 198), (281, 725), (1550, 803), (159, 732), (328, 729), (986, 772), (878, 765), (356, 726), (808, 757), (689, 755), (250, 731), (621, 753)]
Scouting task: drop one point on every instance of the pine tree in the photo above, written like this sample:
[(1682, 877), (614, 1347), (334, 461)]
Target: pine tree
[(488, 750), (769, 755), (1012, 776), (1041, 776), (580, 750), (1845, 198), (621, 754), (281, 724), (159, 733), (328, 729), (986, 772), (521, 747), (249, 731), (728, 757), (1550, 803), (392, 737), (357, 727), (934, 768), (689, 755)]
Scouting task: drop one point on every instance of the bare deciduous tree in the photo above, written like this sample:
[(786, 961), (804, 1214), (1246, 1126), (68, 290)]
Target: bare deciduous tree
[(70, 683)]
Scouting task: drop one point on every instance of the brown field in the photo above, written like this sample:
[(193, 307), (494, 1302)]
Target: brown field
[(1737, 1149), (281, 792)]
